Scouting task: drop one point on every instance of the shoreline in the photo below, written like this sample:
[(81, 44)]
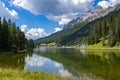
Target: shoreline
[(11, 74), (87, 48), (102, 48)]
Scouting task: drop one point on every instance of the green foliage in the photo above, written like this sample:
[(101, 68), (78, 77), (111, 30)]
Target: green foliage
[(110, 29), (52, 44), (30, 45), (11, 37), (59, 36), (11, 74), (0, 34)]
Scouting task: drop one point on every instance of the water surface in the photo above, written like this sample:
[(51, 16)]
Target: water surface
[(74, 63)]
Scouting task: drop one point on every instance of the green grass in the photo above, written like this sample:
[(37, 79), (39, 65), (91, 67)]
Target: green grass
[(10, 74), (100, 46), (51, 44)]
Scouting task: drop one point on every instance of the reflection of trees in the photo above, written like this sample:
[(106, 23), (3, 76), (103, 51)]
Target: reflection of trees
[(106, 66), (14, 61)]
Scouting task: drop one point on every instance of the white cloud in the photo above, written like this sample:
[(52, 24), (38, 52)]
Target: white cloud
[(57, 29), (63, 19), (113, 2), (5, 12), (24, 28), (64, 73), (57, 64), (106, 4), (33, 33), (60, 10), (54, 7), (35, 60)]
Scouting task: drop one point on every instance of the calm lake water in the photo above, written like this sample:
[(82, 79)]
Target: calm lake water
[(68, 62)]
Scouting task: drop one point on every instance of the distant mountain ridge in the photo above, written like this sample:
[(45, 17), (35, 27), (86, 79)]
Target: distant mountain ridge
[(99, 26), (91, 15)]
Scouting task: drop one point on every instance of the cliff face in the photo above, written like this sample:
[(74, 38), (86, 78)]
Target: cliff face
[(91, 15)]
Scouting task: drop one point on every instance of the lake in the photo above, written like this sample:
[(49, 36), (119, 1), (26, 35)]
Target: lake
[(67, 62)]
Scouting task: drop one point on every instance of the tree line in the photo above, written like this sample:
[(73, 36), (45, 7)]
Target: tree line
[(11, 37), (106, 30)]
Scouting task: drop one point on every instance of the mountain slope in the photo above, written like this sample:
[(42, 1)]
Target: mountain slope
[(105, 29), (91, 15), (91, 32), (56, 37)]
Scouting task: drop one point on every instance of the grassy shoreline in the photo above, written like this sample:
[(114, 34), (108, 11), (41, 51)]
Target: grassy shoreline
[(10, 74), (99, 46), (102, 48)]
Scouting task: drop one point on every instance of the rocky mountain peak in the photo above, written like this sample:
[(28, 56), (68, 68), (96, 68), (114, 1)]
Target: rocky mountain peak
[(91, 15)]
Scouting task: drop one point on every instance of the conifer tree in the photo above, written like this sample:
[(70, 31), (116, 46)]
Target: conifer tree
[(0, 34)]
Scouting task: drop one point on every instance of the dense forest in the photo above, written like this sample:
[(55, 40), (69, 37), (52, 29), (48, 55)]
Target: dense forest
[(105, 29), (11, 37)]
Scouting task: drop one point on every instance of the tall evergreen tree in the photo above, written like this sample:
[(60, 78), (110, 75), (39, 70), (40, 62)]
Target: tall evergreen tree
[(5, 34), (30, 44), (117, 34), (20, 39), (0, 34)]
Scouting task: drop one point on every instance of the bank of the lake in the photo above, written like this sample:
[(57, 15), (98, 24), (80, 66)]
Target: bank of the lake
[(11, 74), (99, 46), (12, 67)]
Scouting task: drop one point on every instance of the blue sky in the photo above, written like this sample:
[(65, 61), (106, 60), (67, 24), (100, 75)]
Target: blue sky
[(39, 18)]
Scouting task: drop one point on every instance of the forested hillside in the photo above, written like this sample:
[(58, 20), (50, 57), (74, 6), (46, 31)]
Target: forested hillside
[(105, 29), (57, 37), (11, 37)]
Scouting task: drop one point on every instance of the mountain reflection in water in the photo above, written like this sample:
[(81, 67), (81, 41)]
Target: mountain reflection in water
[(78, 64)]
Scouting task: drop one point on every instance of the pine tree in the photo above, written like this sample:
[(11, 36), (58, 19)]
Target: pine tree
[(30, 44), (112, 38), (20, 39), (104, 31), (117, 34), (0, 34), (5, 34), (13, 36), (9, 35)]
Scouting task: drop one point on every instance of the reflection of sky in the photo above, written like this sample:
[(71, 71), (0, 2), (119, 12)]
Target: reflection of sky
[(82, 51), (39, 63), (41, 49)]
